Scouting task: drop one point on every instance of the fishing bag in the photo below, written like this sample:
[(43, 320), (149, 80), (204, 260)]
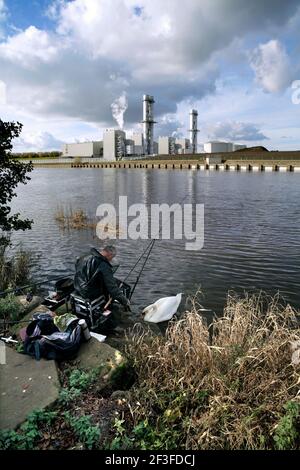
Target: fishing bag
[(44, 340)]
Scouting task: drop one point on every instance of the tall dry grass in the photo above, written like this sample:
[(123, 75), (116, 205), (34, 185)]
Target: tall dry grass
[(68, 218), (225, 387), (14, 270), (78, 219)]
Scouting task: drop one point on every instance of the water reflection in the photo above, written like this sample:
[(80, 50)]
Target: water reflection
[(252, 230)]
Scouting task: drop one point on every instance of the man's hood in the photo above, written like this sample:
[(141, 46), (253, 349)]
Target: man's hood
[(97, 253)]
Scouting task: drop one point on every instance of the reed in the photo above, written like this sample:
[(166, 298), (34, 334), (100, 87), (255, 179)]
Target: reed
[(232, 386)]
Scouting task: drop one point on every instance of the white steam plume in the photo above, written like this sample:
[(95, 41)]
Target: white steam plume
[(118, 109)]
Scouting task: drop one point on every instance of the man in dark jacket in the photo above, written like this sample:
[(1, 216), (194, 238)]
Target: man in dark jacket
[(94, 276)]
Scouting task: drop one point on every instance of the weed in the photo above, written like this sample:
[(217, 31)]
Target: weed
[(10, 308), (287, 431), (88, 434), (29, 432)]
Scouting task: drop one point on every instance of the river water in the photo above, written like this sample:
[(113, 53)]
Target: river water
[(252, 229)]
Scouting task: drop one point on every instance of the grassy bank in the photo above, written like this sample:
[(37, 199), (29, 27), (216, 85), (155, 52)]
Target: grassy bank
[(233, 385)]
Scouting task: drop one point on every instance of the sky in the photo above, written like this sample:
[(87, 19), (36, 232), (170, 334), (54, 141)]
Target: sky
[(71, 69)]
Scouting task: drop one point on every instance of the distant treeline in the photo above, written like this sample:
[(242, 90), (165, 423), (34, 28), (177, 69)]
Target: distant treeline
[(53, 154)]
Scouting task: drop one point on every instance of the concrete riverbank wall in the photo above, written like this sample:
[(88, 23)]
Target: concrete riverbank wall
[(194, 165), (230, 161)]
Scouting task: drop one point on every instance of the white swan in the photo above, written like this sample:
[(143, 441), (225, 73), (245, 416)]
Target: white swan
[(163, 309)]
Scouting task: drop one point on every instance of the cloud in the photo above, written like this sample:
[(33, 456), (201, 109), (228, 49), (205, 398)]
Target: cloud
[(3, 15), (30, 47), (272, 66), (59, 80), (104, 27), (169, 125), (38, 141), (234, 131), (97, 49), (3, 10)]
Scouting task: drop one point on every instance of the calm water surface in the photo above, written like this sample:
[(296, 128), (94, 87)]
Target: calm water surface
[(252, 229)]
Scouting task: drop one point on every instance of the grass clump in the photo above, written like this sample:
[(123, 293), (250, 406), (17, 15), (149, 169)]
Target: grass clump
[(230, 386), (14, 270)]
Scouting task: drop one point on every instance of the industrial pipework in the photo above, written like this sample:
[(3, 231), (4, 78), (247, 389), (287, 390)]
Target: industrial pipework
[(193, 130), (148, 123)]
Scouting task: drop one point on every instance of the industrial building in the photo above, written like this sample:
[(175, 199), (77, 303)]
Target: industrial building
[(84, 149), (183, 146), (114, 144), (218, 146), (138, 139), (166, 146)]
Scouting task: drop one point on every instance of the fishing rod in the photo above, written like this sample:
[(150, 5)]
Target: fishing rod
[(20, 289), (149, 247), (142, 269)]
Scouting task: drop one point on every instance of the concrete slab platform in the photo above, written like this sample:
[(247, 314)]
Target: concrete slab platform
[(25, 385)]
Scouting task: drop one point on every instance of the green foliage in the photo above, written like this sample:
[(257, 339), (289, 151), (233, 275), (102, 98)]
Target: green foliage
[(33, 155), (287, 432), (29, 432), (78, 382), (68, 395), (161, 436), (12, 172), (121, 441), (88, 434), (10, 307), (82, 380)]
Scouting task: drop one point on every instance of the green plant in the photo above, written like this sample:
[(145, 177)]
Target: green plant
[(161, 436), (10, 307), (78, 382), (88, 434), (287, 431), (68, 395), (121, 441), (29, 432), (81, 379)]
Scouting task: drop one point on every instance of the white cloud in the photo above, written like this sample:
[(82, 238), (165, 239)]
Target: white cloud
[(30, 47), (38, 141), (272, 66), (100, 48), (234, 131)]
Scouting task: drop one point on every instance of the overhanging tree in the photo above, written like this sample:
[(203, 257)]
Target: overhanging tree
[(12, 173)]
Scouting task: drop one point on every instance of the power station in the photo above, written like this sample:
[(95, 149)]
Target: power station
[(116, 145)]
